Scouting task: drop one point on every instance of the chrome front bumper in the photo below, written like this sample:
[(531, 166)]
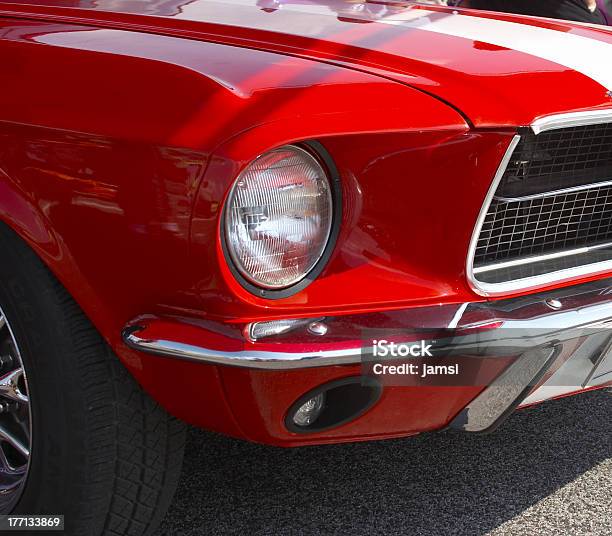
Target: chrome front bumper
[(560, 342)]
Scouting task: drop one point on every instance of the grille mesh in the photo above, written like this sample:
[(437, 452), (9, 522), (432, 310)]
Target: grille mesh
[(518, 226), (564, 221), (559, 159)]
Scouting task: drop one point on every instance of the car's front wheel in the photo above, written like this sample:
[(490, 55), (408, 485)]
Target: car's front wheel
[(78, 436)]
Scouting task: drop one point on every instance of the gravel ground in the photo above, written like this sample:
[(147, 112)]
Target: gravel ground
[(547, 471)]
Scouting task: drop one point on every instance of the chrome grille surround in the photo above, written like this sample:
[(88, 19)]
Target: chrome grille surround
[(527, 240)]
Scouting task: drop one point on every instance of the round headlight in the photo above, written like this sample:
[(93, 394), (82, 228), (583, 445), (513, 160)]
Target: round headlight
[(278, 218)]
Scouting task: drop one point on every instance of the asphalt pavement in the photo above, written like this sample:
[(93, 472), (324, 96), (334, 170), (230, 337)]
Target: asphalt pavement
[(547, 471)]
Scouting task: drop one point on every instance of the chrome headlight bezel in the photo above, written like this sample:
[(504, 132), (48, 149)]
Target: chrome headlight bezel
[(318, 152)]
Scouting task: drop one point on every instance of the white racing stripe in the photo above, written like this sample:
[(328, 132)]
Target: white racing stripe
[(590, 57)]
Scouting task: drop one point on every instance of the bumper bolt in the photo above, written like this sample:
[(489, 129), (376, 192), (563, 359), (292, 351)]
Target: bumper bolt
[(317, 328), (554, 304)]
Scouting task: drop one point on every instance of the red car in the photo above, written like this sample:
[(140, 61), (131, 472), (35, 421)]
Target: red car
[(262, 218)]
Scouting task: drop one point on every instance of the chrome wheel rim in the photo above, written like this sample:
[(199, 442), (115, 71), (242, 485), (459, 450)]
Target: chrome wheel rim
[(15, 419)]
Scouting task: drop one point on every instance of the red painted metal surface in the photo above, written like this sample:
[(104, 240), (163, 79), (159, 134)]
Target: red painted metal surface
[(463, 72), (123, 124)]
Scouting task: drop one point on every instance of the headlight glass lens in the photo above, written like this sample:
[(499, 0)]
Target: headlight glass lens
[(278, 218)]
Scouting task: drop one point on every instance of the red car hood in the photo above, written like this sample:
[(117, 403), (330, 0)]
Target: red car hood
[(497, 70)]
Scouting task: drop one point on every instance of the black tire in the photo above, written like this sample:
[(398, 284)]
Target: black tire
[(103, 453)]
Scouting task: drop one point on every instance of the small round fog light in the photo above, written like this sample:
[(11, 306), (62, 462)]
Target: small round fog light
[(309, 412)]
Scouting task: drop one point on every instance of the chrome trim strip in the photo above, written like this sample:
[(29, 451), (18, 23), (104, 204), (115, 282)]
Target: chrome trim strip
[(553, 192), (591, 316), (539, 258), (573, 119), (473, 282), (253, 360), (458, 316), (541, 281), (532, 331)]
